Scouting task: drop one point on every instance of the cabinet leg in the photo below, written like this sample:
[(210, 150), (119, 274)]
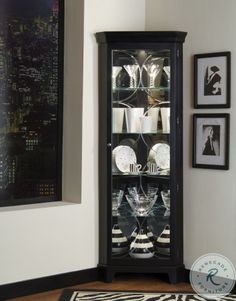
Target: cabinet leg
[(176, 276), (109, 276)]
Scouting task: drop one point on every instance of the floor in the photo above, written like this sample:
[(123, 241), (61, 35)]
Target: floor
[(121, 282)]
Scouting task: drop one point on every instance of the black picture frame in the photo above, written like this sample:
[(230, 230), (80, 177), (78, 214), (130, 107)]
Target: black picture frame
[(211, 134), (212, 80), (31, 101)]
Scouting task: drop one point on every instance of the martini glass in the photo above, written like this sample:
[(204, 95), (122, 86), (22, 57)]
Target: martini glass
[(141, 204), (117, 196), (153, 69), (165, 194), (167, 71), (132, 71)]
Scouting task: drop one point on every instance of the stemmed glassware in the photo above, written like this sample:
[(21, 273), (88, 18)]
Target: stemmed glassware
[(115, 72), (165, 194), (167, 71), (153, 69), (132, 70), (117, 196), (141, 204)]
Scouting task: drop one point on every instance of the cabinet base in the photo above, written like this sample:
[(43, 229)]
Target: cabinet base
[(176, 274)]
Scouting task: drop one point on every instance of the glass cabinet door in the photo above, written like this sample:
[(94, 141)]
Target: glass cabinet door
[(141, 194)]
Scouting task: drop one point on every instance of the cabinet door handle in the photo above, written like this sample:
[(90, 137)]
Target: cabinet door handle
[(109, 144)]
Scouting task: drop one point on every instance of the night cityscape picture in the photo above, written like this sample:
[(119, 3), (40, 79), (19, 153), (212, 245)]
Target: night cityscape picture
[(31, 79)]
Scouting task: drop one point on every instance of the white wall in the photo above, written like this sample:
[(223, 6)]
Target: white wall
[(41, 240), (209, 195)]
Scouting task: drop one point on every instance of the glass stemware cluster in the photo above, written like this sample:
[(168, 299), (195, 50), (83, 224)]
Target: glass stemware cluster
[(152, 65), (142, 242)]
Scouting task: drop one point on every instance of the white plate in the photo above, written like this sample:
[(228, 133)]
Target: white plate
[(122, 157), (160, 153)]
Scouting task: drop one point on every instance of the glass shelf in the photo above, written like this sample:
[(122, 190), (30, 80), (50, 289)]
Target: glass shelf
[(159, 176), (140, 88), (160, 132)]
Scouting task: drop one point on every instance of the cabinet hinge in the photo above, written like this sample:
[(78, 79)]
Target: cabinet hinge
[(178, 53), (177, 120)]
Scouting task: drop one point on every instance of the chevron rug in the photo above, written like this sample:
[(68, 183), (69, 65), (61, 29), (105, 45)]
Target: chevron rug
[(75, 295)]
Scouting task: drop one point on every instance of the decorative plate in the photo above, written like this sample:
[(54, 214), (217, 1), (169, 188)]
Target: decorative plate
[(122, 157), (160, 153)]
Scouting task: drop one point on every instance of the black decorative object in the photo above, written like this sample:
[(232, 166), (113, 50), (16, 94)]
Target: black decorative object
[(212, 80), (211, 141), (140, 151), (31, 96)]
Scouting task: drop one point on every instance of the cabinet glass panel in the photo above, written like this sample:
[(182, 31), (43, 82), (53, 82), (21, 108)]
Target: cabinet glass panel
[(141, 196)]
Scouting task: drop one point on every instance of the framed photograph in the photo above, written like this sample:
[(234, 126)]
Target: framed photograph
[(212, 80), (31, 101), (211, 141)]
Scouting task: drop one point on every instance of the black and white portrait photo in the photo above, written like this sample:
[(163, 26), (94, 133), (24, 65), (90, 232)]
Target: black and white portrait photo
[(212, 80), (211, 141)]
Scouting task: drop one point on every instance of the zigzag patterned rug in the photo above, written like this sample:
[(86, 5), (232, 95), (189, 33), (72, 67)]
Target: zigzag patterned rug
[(75, 295)]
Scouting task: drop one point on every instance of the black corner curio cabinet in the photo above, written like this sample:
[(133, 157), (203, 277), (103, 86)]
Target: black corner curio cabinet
[(140, 153)]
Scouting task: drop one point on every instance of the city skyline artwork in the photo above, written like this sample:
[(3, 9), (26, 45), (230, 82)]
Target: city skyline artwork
[(31, 78)]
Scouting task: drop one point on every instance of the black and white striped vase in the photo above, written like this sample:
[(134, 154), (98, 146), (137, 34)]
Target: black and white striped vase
[(134, 234), (150, 234), (141, 247), (163, 243), (146, 229), (120, 244)]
